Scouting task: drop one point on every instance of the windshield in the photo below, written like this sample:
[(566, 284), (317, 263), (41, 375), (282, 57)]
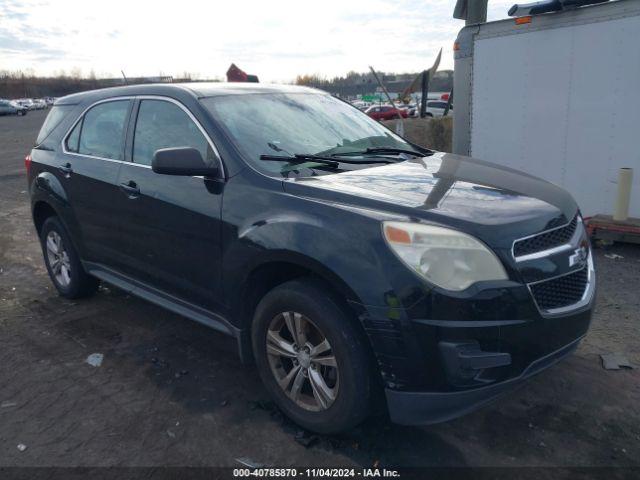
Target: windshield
[(297, 123)]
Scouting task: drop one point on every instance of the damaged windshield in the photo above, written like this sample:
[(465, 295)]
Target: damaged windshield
[(303, 124)]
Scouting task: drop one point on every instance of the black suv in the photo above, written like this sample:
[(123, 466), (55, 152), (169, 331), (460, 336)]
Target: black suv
[(350, 264)]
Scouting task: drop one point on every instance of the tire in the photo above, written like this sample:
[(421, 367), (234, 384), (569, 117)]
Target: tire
[(76, 283), (350, 381)]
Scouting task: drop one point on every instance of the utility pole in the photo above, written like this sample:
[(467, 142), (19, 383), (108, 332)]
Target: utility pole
[(425, 93)]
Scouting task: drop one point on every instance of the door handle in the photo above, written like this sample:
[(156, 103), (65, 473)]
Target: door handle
[(130, 188), (66, 169)]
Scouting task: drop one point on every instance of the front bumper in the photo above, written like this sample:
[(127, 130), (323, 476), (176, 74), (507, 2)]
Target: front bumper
[(424, 408), (443, 354)]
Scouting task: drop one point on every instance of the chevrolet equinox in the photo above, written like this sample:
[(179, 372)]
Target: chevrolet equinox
[(356, 269)]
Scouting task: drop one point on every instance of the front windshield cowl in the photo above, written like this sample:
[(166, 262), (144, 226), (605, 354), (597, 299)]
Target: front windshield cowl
[(315, 123)]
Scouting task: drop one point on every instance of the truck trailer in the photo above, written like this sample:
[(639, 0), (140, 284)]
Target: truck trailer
[(556, 95)]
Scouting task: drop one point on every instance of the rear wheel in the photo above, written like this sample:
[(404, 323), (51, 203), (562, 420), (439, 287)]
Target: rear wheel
[(311, 358), (63, 262)]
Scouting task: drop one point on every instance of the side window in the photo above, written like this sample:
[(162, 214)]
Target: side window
[(55, 116), (102, 131), (73, 140), (162, 124)]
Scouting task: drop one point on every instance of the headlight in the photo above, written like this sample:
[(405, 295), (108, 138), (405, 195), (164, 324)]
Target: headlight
[(447, 258)]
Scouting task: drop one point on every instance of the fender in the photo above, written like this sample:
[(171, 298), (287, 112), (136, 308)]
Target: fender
[(351, 264), (317, 244), (47, 189), (50, 185), (308, 263)]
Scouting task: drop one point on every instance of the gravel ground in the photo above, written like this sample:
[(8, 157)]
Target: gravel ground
[(171, 392)]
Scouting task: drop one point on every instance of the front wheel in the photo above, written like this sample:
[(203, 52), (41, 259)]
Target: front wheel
[(311, 358)]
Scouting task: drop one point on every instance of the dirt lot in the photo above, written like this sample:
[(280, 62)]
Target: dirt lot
[(171, 392)]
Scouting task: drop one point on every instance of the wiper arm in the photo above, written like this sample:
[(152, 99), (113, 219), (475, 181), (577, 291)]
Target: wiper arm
[(374, 150), (333, 160), (299, 158)]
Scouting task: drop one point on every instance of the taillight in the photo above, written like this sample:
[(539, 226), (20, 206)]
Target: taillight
[(27, 163)]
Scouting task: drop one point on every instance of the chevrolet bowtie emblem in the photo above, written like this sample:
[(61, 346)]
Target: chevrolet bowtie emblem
[(579, 257)]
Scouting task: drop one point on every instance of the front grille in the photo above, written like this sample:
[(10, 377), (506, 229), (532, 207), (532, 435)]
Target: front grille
[(562, 291), (546, 240)]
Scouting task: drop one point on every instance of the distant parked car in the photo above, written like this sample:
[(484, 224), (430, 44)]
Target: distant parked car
[(411, 108), (11, 108), (27, 103), (361, 105), (20, 110), (40, 104), (436, 108), (385, 112)]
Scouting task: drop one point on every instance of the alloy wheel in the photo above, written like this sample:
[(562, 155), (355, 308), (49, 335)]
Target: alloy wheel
[(58, 259), (302, 361)]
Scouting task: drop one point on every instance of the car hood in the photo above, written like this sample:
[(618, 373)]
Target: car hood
[(493, 202)]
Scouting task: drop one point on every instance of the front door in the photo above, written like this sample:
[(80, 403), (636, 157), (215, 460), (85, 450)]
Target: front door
[(170, 224)]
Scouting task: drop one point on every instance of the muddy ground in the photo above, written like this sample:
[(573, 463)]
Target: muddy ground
[(172, 392)]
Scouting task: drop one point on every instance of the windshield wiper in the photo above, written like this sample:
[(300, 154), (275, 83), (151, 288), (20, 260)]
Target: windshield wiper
[(299, 158), (383, 150), (331, 161)]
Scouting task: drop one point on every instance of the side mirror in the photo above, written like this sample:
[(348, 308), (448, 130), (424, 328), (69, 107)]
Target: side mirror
[(183, 161)]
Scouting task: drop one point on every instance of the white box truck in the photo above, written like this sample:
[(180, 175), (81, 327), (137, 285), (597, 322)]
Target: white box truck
[(556, 95)]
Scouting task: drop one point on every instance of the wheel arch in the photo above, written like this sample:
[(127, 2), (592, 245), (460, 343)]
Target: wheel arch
[(40, 212), (281, 268), (278, 269), (43, 208)]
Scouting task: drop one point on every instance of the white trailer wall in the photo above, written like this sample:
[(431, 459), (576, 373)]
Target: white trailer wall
[(562, 104)]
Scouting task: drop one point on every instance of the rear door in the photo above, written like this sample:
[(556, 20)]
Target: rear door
[(170, 224), (93, 151)]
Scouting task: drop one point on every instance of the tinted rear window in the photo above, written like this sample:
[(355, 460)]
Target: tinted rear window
[(55, 116)]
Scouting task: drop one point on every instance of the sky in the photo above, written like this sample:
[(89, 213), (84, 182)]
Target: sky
[(273, 39)]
